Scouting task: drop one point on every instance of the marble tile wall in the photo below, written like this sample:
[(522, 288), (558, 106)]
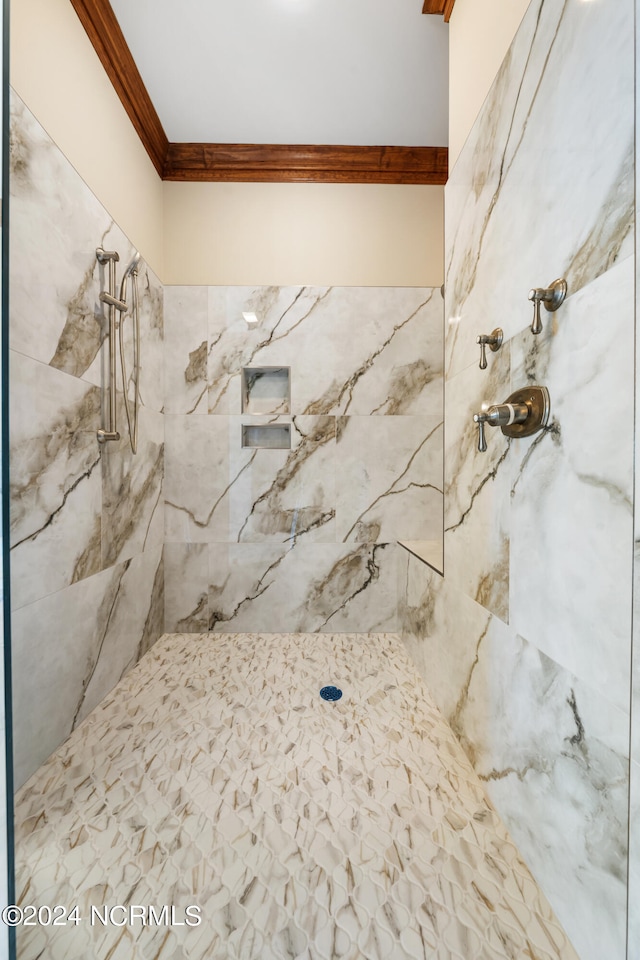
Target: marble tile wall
[(634, 800), (86, 521), (301, 539), (4, 822), (526, 642)]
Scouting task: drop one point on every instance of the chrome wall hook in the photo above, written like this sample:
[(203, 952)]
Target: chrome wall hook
[(494, 340), (522, 414), (552, 297)]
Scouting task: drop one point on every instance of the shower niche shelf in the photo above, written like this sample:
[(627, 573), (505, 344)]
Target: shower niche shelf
[(266, 390), (271, 436)]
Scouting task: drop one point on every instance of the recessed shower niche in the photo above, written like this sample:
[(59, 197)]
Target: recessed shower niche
[(272, 436), (266, 390)]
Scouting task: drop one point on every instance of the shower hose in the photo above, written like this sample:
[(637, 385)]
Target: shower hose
[(135, 320)]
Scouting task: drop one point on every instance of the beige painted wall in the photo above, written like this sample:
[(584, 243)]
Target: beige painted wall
[(277, 233), (480, 33), (248, 233), (214, 233), (55, 70)]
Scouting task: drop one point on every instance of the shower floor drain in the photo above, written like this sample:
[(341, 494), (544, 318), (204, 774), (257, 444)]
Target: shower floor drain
[(331, 693)]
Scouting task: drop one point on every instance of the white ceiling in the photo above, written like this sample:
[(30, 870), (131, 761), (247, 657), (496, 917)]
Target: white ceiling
[(292, 71)]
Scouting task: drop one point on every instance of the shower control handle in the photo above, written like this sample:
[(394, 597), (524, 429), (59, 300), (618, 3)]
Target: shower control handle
[(499, 415), (552, 297), (494, 340), (480, 419), (522, 414)]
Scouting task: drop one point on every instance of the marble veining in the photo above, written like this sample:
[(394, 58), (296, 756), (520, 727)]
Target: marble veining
[(87, 521), (634, 787), (526, 154), (323, 587), (526, 641), (361, 351), (552, 751), (59, 320), (390, 478), (476, 521), (578, 475), (72, 647), (215, 775), (56, 489), (300, 539)]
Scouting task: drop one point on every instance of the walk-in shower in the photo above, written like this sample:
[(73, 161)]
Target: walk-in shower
[(120, 305)]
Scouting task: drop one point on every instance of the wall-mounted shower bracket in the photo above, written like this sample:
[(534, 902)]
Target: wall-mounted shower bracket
[(119, 305), (522, 414), (106, 256), (552, 297), (113, 301), (494, 340), (104, 435), (111, 257)]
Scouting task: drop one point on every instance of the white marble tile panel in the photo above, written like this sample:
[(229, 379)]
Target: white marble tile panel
[(56, 494), (186, 330), (218, 490), (234, 345), (152, 353), (441, 630), (522, 205), (357, 590), (74, 645), (243, 587), (351, 350), (56, 319), (409, 368), (634, 864), (556, 767), (309, 588), (292, 493), (196, 477), (572, 489), (186, 567), (132, 489), (134, 624), (633, 935), (390, 478), (552, 752), (476, 522), (635, 665)]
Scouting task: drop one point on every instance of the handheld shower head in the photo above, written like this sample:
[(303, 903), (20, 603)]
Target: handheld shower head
[(130, 271), (133, 265)]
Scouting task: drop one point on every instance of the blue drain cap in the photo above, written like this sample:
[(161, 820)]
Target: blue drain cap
[(330, 693)]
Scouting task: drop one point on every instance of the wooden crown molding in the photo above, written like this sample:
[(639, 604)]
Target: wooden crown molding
[(99, 21), (290, 163), (243, 162), (440, 7)]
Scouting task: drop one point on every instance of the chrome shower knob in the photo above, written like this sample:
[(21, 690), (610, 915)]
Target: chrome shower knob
[(552, 297)]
